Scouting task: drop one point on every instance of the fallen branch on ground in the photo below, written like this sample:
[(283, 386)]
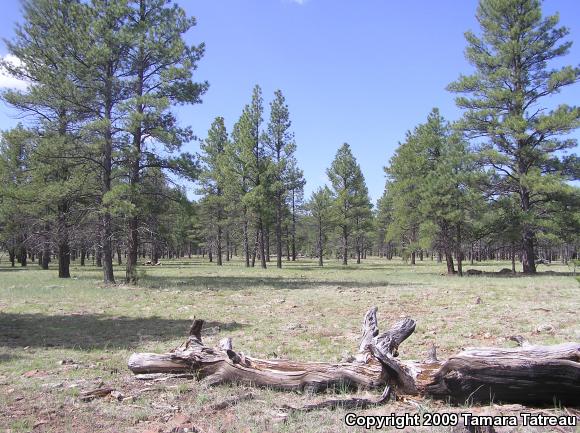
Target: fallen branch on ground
[(527, 374)]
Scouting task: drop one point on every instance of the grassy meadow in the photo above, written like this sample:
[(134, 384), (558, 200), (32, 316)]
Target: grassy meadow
[(59, 338)]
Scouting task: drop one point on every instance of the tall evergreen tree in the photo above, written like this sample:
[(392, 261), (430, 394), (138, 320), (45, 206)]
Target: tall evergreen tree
[(280, 140), (43, 51), (295, 199), (403, 172), (212, 181), (254, 166), (430, 179), (348, 186), (505, 102), (383, 219), (160, 67), (17, 194), (321, 211), (98, 63)]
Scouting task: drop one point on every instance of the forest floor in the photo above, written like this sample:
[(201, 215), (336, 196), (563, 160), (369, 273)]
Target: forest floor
[(60, 338)]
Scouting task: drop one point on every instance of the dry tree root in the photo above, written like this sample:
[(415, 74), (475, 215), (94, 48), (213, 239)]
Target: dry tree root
[(527, 374)]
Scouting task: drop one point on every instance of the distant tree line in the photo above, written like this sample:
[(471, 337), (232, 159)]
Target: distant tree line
[(95, 172)]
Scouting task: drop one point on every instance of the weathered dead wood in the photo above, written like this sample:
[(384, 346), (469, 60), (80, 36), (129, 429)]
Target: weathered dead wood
[(223, 364), (95, 393), (231, 401), (528, 374), (345, 404)]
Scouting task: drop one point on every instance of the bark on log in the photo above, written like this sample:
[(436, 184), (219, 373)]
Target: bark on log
[(527, 374)]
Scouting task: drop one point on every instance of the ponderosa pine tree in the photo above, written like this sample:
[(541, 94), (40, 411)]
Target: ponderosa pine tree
[(97, 63), (254, 165), (237, 184), (505, 102), (17, 196), (42, 51), (430, 178), (212, 180), (280, 141), (383, 219), (294, 201), (320, 207), (362, 220), (349, 187), (160, 65), (447, 195), (403, 173)]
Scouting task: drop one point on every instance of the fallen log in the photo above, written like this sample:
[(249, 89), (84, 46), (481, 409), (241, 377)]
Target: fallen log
[(222, 364), (528, 374)]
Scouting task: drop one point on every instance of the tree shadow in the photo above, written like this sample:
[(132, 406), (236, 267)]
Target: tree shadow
[(15, 269), (7, 357), (521, 274), (242, 283), (94, 331)]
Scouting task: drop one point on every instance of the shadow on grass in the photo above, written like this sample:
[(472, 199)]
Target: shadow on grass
[(7, 357), (242, 283), (521, 274), (16, 269), (93, 331)]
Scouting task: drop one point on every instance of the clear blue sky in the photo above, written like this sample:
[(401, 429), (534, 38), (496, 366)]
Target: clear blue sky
[(359, 72)]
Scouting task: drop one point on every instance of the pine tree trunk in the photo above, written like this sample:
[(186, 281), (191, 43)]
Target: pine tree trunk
[(459, 251), (449, 262), (83, 256), (134, 179), (320, 246), (106, 173), (287, 245), (99, 258), (154, 253), (45, 248), (293, 226), (132, 249), (23, 255), (107, 254), (63, 243), (279, 232), (344, 245), (228, 246), (246, 242), (261, 242), (45, 254), (413, 257), (267, 242), (63, 259), (471, 254), (12, 256), (219, 246), (255, 250), (528, 255)]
